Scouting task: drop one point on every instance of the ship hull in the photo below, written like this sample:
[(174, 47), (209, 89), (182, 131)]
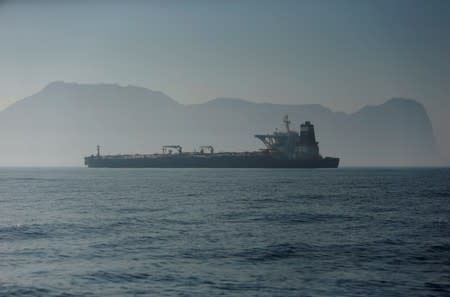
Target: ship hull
[(180, 161)]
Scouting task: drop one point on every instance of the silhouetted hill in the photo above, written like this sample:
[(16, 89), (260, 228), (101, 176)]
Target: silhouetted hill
[(65, 121)]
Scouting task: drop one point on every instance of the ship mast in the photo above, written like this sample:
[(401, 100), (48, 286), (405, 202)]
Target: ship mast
[(286, 122)]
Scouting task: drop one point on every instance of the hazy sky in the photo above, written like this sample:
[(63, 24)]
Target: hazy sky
[(342, 54)]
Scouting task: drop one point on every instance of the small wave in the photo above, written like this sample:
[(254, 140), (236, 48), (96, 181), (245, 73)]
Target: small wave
[(28, 179), (436, 254), (240, 287), (441, 288), (308, 196), (116, 277), (22, 232), (275, 252), (444, 247), (193, 195), (286, 182), (203, 254), (24, 291), (30, 291), (436, 193), (303, 218), (181, 222)]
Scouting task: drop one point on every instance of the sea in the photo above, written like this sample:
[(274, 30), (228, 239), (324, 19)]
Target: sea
[(225, 232)]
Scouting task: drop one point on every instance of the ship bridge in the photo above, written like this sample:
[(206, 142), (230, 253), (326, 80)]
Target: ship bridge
[(291, 144)]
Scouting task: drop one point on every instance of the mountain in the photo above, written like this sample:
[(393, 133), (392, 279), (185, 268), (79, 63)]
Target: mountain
[(65, 121)]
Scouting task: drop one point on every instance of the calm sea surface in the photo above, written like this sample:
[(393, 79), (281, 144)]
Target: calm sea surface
[(227, 232)]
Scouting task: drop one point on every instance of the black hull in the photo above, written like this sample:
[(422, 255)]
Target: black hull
[(180, 161)]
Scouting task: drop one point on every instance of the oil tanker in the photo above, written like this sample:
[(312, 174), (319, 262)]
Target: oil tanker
[(289, 149)]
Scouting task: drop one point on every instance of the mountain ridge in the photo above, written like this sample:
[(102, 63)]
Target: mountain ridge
[(217, 100), (64, 121)]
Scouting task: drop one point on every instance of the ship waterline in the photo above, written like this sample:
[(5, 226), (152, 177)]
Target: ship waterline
[(218, 161), (288, 149)]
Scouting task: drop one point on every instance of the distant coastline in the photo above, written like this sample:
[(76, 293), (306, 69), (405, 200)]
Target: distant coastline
[(66, 120)]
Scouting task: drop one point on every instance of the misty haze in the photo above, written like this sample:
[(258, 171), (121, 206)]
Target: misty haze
[(224, 148), (65, 121)]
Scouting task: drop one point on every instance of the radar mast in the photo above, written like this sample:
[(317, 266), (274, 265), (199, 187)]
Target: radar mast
[(287, 122)]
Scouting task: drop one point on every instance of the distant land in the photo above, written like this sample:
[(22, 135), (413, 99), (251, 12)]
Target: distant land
[(65, 121)]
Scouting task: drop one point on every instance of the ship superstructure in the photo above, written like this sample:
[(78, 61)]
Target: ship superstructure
[(288, 149), (290, 144)]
